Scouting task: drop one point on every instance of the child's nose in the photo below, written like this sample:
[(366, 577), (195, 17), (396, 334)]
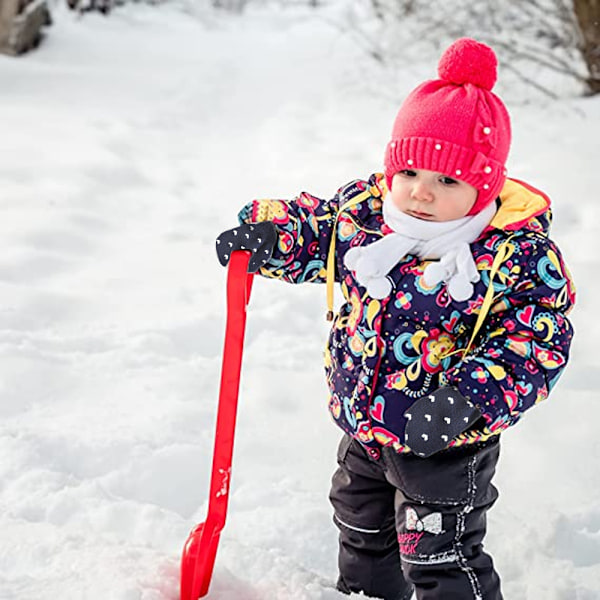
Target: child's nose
[(422, 191)]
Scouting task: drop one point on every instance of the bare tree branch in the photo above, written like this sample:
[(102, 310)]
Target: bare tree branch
[(531, 82), (531, 37)]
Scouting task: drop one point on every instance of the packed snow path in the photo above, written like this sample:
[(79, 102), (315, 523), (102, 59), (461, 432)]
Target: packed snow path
[(127, 144)]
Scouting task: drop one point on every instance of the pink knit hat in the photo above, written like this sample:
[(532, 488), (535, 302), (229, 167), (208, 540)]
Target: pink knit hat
[(455, 125)]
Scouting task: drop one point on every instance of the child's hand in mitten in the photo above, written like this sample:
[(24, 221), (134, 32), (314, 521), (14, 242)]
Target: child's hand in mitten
[(258, 238), (434, 420)]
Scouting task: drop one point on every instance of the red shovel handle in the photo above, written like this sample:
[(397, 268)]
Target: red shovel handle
[(201, 547)]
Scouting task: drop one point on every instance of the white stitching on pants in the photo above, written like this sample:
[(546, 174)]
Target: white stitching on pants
[(432, 559), (460, 530), (359, 529)]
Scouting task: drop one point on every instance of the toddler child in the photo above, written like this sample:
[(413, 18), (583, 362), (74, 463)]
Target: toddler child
[(454, 324)]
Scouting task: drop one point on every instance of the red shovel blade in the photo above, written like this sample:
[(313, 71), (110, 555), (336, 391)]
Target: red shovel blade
[(197, 562), (190, 585), (200, 549)]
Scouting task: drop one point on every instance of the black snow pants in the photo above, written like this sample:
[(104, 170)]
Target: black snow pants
[(412, 524)]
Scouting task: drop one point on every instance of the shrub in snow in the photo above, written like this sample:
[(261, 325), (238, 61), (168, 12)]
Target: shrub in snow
[(544, 43)]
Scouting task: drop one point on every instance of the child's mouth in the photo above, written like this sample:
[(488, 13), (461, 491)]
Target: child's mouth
[(420, 215)]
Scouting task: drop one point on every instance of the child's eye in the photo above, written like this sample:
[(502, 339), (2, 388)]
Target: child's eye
[(448, 180), (408, 172)]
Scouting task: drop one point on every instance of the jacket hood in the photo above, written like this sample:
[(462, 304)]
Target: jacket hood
[(522, 207)]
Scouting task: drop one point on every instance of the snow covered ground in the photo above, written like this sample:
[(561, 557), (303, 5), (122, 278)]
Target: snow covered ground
[(126, 145)]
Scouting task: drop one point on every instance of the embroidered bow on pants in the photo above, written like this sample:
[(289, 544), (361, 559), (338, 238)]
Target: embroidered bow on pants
[(408, 523)]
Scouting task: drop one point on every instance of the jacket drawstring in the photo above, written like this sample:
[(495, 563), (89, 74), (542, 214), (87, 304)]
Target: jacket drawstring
[(331, 254), (501, 256)]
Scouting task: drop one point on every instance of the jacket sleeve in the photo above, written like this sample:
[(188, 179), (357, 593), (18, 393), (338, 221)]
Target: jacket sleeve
[(307, 225), (304, 226), (524, 345)]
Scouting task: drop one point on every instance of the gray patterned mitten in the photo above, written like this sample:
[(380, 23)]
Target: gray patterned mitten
[(434, 420), (258, 238)]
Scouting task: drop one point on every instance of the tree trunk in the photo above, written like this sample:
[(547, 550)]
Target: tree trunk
[(587, 13), (8, 11), (21, 23)]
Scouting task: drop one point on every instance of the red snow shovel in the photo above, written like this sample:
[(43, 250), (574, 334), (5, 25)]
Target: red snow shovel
[(200, 548)]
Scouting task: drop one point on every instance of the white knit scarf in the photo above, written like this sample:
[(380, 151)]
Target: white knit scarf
[(447, 240)]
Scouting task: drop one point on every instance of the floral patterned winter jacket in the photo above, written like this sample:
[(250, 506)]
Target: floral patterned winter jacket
[(382, 355)]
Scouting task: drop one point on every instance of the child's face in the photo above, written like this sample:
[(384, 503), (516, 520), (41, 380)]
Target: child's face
[(432, 196)]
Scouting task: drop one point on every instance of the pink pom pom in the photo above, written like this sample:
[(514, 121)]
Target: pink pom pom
[(469, 61)]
